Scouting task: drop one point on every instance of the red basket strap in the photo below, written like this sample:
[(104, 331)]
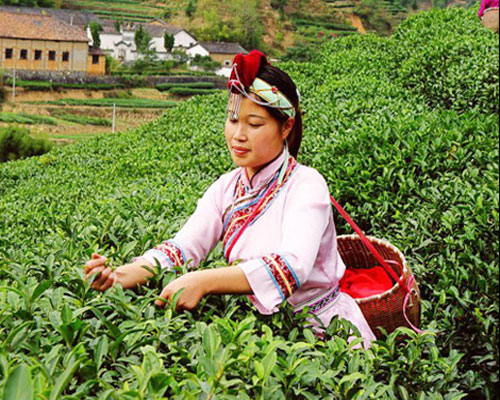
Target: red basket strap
[(368, 244)]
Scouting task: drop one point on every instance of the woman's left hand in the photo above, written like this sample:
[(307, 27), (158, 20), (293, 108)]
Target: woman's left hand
[(194, 287)]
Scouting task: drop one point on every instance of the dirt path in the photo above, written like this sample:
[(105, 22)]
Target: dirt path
[(47, 95), (357, 23)]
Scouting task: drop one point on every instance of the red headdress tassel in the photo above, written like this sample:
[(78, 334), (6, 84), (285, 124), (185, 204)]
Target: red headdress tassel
[(245, 69)]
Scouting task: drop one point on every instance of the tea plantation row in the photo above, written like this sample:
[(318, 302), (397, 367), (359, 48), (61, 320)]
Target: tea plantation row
[(409, 144)]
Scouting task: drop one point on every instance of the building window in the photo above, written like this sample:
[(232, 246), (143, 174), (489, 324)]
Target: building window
[(23, 55), (8, 54), (65, 56), (38, 54), (52, 55), (95, 59), (227, 63)]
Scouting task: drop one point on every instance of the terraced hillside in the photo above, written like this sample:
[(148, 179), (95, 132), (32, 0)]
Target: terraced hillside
[(278, 22), (392, 6), (175, 11), (127, 10)]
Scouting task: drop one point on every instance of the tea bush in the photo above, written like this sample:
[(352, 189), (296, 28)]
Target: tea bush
[(46, 85), (187, 91), (421, 175), (108, 102), (83, 119), (193, 85), (25, 118)]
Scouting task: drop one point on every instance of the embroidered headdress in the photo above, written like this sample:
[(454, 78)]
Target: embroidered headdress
[(244, 82)]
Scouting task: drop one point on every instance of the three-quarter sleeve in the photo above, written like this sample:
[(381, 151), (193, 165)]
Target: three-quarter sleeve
[(276, 276), (197, 237)]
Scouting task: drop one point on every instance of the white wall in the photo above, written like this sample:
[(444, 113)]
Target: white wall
[(224, 71), (183, 39), (158, 44), (197, 50), (129, 51), (108, 41)]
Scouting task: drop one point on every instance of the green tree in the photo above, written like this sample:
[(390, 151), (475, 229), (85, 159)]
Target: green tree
[(248, 21), (191, 8), (168, 41), (142, 40), (280, 6), (117, 25), (231, 21), (95, 28), (167, 14)]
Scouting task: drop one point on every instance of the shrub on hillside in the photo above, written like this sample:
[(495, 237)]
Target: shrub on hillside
[(17, 143), (118, 94), (205, 62), (303, 53)]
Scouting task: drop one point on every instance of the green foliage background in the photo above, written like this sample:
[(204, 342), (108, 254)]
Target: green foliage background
[(229, 21), (411, 164)]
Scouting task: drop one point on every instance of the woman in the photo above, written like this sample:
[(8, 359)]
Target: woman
[(272, 214), (488, 14)]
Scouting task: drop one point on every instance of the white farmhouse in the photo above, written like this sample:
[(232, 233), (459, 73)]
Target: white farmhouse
[(121, 45)]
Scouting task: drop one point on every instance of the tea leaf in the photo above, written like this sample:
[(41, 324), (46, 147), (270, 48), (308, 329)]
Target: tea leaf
[(18, 385)]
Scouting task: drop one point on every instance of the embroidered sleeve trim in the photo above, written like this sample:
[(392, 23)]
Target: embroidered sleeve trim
[(282, 274), (173, 251)]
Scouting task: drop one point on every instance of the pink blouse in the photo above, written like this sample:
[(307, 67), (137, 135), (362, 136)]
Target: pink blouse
[(289, 251)]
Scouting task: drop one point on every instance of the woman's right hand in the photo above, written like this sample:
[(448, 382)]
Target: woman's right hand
[(106, 278)]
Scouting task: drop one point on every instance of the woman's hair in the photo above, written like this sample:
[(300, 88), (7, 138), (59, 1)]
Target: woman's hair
[(276, 77)]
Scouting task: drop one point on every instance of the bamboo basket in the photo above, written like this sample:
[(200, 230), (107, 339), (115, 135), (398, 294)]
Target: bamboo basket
[(386, 309), (491, 18)]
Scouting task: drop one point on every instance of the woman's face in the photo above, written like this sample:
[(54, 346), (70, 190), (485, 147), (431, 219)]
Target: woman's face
[(256, 137)]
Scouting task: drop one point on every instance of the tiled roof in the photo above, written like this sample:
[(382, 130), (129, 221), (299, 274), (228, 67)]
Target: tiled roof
[(155, 30), (74, 17), (16, 25), (223, 47), (96, 51), (108, 26)]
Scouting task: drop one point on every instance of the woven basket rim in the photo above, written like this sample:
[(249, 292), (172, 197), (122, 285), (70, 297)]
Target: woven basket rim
[(385, 243)]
